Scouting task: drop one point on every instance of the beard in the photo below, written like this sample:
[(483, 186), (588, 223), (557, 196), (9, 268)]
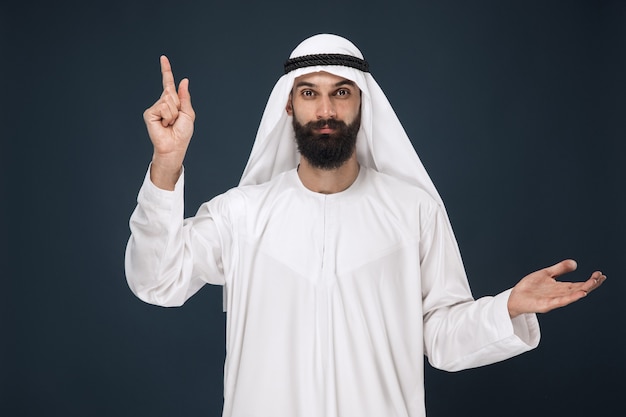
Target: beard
[(327, 151)]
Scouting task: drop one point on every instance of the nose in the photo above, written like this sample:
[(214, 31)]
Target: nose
[(326, 108)]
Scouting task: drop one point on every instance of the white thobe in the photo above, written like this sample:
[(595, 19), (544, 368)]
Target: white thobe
[(332, 300)]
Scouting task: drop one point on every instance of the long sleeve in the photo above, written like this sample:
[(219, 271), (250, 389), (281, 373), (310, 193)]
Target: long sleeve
[(460, 332), (169, 258)]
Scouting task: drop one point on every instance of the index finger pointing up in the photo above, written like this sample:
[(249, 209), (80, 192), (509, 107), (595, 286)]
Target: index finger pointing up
[(166, 72)]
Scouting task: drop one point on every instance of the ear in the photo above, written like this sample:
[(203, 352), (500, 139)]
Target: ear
[(289, 106)]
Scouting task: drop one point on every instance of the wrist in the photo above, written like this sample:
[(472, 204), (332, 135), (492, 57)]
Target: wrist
[(164, 173), (511, 306)]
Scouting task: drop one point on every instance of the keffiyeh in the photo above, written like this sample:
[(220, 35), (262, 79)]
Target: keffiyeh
[(382, 143)]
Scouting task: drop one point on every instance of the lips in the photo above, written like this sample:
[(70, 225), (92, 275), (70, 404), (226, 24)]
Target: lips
[(325, 130), (326, 127)]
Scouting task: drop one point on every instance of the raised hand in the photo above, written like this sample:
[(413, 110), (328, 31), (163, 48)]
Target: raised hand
[(170, 127), (540, 292)]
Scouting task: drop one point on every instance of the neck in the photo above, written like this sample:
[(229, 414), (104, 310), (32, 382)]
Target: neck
[(328, 181)]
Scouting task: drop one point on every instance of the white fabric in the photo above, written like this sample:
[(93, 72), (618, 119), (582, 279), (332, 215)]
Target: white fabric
[(333, 299)]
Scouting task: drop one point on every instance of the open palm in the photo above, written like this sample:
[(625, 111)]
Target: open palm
[(540, 292)]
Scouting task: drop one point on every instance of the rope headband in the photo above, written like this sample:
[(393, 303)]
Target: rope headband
[(326, 59)]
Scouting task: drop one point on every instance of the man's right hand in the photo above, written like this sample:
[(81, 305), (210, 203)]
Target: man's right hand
[(170, 126)]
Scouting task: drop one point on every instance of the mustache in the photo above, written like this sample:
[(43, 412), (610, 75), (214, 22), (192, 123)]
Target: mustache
[(330, 123)]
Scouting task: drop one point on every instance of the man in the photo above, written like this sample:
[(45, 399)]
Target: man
[(338, 260)]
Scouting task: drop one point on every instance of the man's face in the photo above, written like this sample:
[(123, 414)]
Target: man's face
[(326, 112)]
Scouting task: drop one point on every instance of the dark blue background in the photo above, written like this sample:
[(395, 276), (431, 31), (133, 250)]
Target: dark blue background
[(515, 107)]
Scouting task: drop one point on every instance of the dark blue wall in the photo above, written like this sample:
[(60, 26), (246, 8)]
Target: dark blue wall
[(516, 109)]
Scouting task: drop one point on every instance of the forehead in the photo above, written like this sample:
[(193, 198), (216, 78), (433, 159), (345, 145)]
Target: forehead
[(321, 78)]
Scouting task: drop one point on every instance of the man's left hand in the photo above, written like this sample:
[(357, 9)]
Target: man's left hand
[(540, 291)]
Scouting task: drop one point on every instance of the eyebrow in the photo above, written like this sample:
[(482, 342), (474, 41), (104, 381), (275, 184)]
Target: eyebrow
[(345, 82), (304, 84)]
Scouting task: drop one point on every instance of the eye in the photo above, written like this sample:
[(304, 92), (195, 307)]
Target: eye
[(342, 92), (307, 93)]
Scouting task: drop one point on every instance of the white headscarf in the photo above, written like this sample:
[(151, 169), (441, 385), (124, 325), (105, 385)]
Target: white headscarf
[(382, 143)]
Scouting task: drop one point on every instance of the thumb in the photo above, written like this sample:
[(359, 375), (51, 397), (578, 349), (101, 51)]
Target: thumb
[(562, 267), (185, 97)]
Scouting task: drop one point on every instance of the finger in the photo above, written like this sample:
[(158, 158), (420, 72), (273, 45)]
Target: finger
[(596, 279), (157, 113), (171, 100), (162, 112), (167, 116), (167, 74), (561, 268), (564, 300), (185, 97)]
